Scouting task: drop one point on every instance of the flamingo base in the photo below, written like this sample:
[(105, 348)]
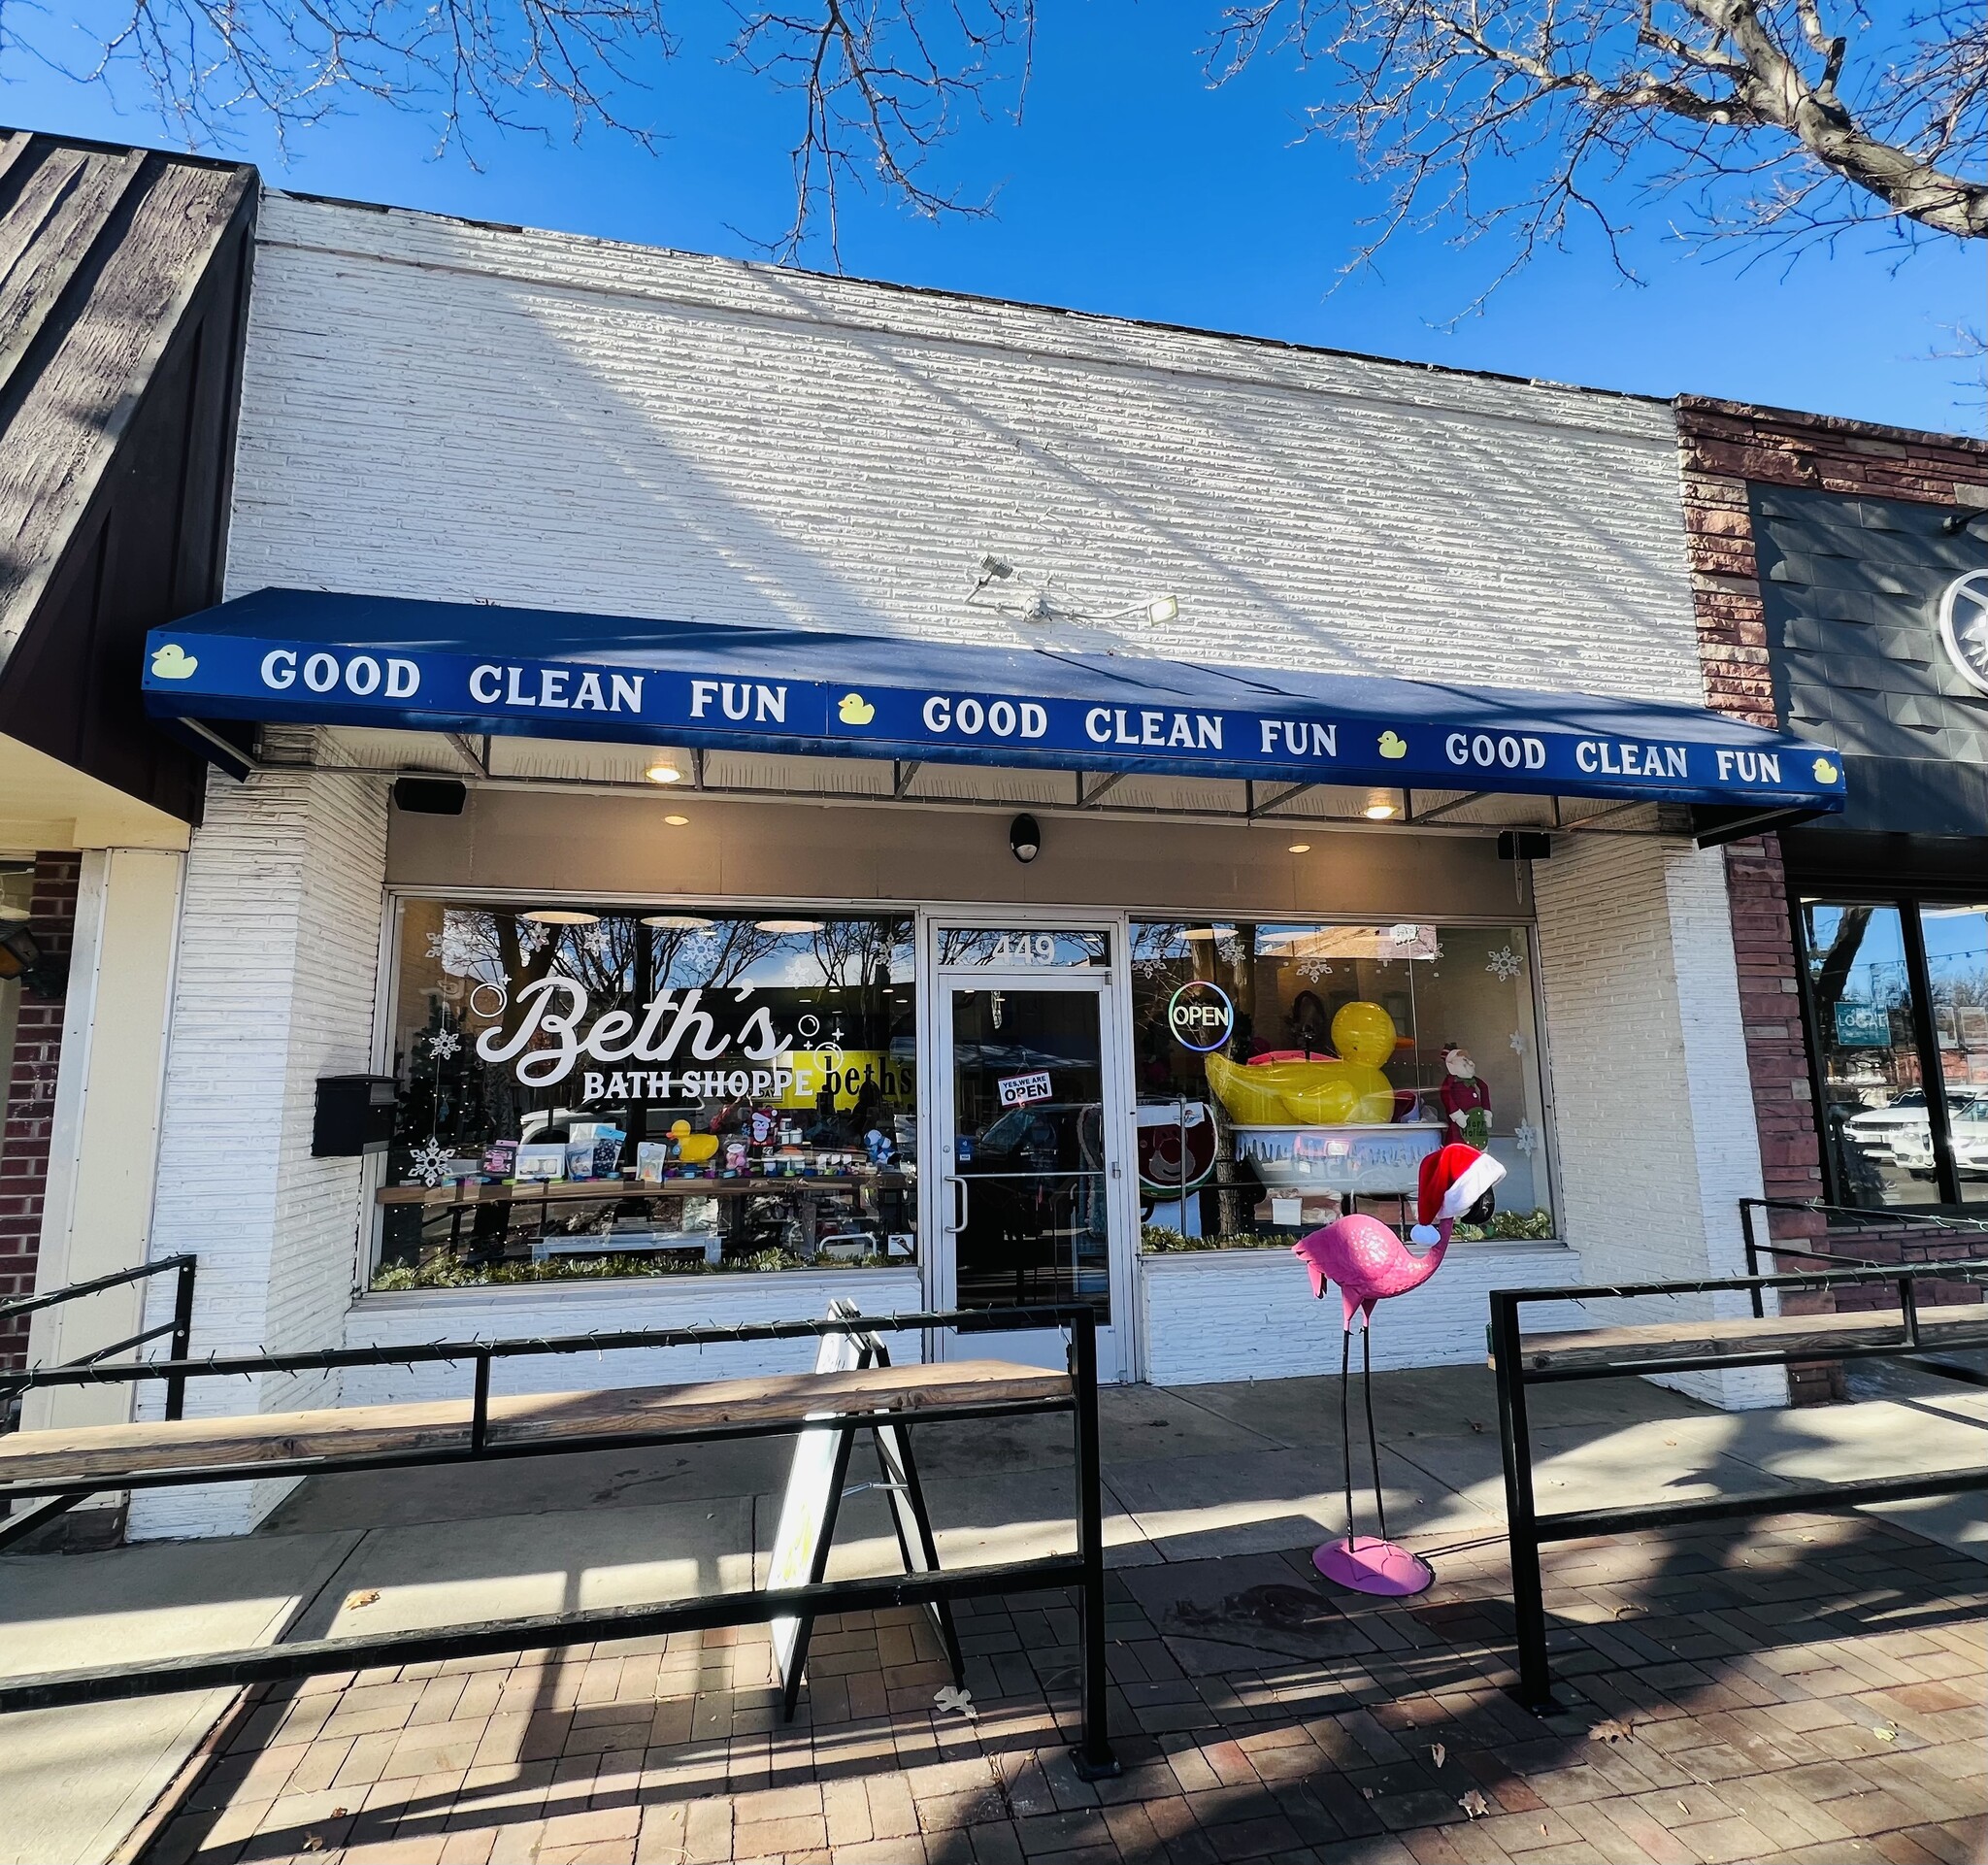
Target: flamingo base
[(1371, 1566)]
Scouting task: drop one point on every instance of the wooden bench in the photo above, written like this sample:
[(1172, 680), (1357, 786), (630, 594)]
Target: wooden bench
[(62, 1467), (1524, 1360), (1745, 1338), (119, 1456)]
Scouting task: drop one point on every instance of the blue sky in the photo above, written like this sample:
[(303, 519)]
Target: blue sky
[(1135, 188)]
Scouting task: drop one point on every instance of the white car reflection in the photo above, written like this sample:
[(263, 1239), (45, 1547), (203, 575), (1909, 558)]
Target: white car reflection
[(1967, 1124), (1877, 1134)]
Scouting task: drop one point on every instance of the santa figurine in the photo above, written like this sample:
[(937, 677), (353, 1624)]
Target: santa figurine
[(1466, 1100)]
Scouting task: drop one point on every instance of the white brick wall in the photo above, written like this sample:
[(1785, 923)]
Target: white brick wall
[(1249, 1313), (441, 409), (1654, 1107), (277, 953)]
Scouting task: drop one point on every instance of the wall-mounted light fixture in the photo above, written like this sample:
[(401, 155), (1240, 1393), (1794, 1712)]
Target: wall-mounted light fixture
[(1025, 837), (24, 956), (998, 586)]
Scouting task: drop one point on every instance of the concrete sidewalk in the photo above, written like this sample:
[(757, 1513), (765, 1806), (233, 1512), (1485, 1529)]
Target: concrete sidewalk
[(1210, 1481)]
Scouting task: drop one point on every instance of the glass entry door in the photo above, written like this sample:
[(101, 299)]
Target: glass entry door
[(1032, 1174)]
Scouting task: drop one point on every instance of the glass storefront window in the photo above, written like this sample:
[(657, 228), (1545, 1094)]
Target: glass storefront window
[(1289, 1072), (1957, 987), (602, 1090), (1875, 1123)]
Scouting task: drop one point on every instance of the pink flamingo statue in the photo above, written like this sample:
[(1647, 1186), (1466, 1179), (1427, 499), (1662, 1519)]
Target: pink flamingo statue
[(1368, 1262)]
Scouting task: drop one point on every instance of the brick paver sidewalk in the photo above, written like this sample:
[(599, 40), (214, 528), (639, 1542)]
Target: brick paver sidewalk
[(1805, 1688)]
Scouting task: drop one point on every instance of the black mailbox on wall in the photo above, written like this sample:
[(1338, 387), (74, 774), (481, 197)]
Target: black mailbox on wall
[(354, 1115)]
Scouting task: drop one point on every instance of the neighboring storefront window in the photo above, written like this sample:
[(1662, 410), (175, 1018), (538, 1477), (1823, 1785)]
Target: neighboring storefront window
[(623, 1091), (1885, 1094), (1957, 987), (1287, 1074)]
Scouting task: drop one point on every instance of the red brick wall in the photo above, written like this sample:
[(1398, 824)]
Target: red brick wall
[(1726, 448), (31, 1098)]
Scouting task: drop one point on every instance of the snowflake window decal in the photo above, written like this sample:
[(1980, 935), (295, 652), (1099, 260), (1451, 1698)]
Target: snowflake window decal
[(1518, 1042), (427, 1162), (1150, 967), (1525, 1137), (1504, 964), (443, 1044), (1231, 950), (1313, 969)]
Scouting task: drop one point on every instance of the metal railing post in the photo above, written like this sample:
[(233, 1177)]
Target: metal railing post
[(1092, 1754), (480, 1406), (1521, 1514), (1752, 1250), (181, 1346)]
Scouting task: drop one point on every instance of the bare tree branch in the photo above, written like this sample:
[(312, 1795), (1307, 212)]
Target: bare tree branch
[(883, 82), (1754, 106), (497, 61), (1778, 122)]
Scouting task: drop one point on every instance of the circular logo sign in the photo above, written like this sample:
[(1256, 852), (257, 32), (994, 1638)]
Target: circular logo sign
[(1963, 625), (1201, 1016)]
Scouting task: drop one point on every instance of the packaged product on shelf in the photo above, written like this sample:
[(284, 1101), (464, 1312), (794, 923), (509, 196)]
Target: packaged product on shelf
[(541, 1161)]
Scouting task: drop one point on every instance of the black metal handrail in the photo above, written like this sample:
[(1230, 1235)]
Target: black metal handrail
[(1084, 1572), (1869, 1219), (1528, 1531), (180, 1328)]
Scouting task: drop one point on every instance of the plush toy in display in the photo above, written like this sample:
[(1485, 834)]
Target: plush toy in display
[(1367, 1262), (1466, 1100)]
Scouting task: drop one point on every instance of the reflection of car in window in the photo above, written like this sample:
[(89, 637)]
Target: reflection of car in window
[(1876, 1131), (1967, 1128), (1032, 1139)]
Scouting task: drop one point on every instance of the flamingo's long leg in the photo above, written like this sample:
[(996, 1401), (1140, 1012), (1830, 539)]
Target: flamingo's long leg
[(1346, 1423), (1373, 1442)]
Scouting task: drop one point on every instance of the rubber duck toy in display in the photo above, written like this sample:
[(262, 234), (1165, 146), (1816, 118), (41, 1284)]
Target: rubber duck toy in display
[(1367, 1263), (1466, 1100)]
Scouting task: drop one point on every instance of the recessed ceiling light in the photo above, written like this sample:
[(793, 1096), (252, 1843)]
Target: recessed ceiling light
[(790, 925), (1301, 847), (663, 772), (675, 822), (677, 922), (560, 916), (1380, 812)]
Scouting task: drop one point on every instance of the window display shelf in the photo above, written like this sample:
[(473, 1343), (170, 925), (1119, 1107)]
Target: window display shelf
[(603, 1190)]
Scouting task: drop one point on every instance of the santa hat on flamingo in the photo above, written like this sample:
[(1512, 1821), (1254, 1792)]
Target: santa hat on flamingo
[(1452, 1181)]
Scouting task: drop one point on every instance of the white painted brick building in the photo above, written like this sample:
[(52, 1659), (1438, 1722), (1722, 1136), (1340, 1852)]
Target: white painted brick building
[(528, 420)]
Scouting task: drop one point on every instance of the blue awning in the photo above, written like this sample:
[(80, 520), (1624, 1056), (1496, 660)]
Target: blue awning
[(309, 657)]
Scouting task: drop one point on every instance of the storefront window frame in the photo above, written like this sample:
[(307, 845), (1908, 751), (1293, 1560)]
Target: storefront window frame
[(1908, 904), (369, 1244), (928, 917)]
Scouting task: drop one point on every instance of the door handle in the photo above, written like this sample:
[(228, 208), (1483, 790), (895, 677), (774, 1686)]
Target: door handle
[(959, 1203)]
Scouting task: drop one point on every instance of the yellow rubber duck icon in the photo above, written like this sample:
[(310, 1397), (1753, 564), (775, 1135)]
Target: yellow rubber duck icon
[(173, 662), (855, 709), (1393, 744), (1826, 772)]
